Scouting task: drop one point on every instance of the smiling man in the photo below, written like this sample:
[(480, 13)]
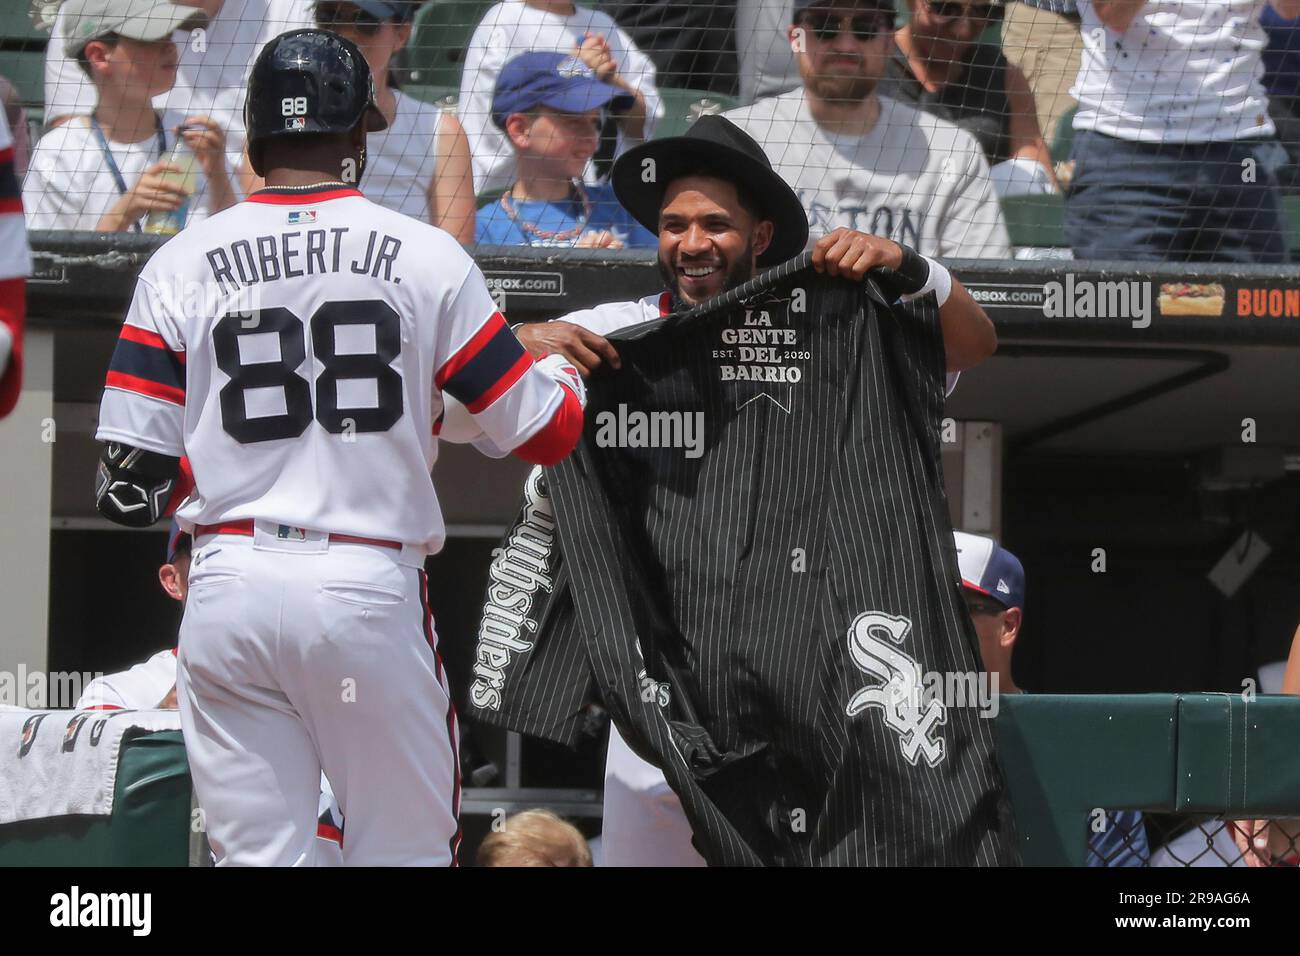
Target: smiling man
[(721, 214)]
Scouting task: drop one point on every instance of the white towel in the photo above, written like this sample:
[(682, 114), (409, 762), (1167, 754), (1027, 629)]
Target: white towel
[(59, 762)]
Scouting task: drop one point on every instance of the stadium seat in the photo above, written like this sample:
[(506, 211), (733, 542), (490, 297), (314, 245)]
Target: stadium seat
[(1035, 221), (677, 108), (440, 36)]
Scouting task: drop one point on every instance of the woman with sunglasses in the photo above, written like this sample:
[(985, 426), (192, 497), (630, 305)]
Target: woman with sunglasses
[(420, 165), (939, 65)]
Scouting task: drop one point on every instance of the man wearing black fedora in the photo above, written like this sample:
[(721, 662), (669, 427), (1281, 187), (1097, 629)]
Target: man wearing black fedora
[(721, 214)]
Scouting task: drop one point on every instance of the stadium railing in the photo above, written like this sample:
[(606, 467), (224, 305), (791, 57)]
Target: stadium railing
[(1190, 762)]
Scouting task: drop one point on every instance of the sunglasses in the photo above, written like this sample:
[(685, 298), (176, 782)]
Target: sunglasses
[(864, 26), (954, 9)]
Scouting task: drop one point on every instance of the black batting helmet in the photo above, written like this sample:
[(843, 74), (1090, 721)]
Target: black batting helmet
[(308, 81)]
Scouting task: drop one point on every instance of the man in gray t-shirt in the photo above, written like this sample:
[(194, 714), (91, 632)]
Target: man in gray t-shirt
[(863, 161)]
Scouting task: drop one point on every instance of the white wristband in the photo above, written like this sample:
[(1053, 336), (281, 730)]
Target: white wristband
[(939, 282)]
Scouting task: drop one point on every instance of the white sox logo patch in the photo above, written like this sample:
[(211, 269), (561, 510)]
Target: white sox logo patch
[(872, 637)]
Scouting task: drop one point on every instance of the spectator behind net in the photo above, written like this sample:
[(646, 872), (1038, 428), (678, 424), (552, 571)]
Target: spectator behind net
[(1172, 137), (866, 162), (108, 171), (939, 65), (210, 72), (549, 106), (420, 164), (519, 26)]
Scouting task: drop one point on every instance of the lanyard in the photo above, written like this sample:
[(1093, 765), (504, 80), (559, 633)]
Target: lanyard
[(112, 163)]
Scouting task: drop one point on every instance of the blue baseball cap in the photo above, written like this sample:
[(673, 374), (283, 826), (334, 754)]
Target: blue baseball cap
[(557, 80), (178, 541), (400, 10), (990, 569)]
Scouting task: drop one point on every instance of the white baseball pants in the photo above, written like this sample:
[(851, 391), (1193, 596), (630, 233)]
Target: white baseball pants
[(298, 656)]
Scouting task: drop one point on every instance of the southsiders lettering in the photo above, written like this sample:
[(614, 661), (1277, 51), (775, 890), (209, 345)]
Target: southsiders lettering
[(1269, 303), (519, 571), (288, 255)]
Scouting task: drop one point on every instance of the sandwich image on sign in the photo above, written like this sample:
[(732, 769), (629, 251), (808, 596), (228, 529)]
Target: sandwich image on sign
[(1191, 298)]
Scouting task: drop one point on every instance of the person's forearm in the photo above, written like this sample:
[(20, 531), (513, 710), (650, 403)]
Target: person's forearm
[(1118, 15), (968, 334), (117, 219)]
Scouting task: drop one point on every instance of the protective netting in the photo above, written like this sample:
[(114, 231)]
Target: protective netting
[(1161, 131), (1128, 838)]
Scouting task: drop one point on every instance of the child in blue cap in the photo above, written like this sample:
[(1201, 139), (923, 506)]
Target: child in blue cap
[(549, 107)]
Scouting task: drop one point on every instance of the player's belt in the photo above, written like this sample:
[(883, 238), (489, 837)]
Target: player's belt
[(245, 528)]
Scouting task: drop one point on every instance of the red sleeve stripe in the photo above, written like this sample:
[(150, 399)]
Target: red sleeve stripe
[(103, 707), (142, 386), (133, 333), (557, 437), (11, 205), (485, 367)]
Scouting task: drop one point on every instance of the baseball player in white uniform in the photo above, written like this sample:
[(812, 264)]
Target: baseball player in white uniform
[(309, 388)]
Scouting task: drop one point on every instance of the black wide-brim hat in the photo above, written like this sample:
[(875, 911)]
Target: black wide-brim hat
[(722, 146)]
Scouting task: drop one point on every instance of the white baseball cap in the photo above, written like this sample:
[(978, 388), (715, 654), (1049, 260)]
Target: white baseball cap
[(145, 20)]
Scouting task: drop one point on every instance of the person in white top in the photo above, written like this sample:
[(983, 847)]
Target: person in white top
[(1171, 132), (518, 26), (863, 161), (108, 170), (211, 72), (420, 165)]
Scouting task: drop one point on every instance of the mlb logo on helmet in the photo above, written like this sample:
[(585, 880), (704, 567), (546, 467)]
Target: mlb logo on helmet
[(296, 122)]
